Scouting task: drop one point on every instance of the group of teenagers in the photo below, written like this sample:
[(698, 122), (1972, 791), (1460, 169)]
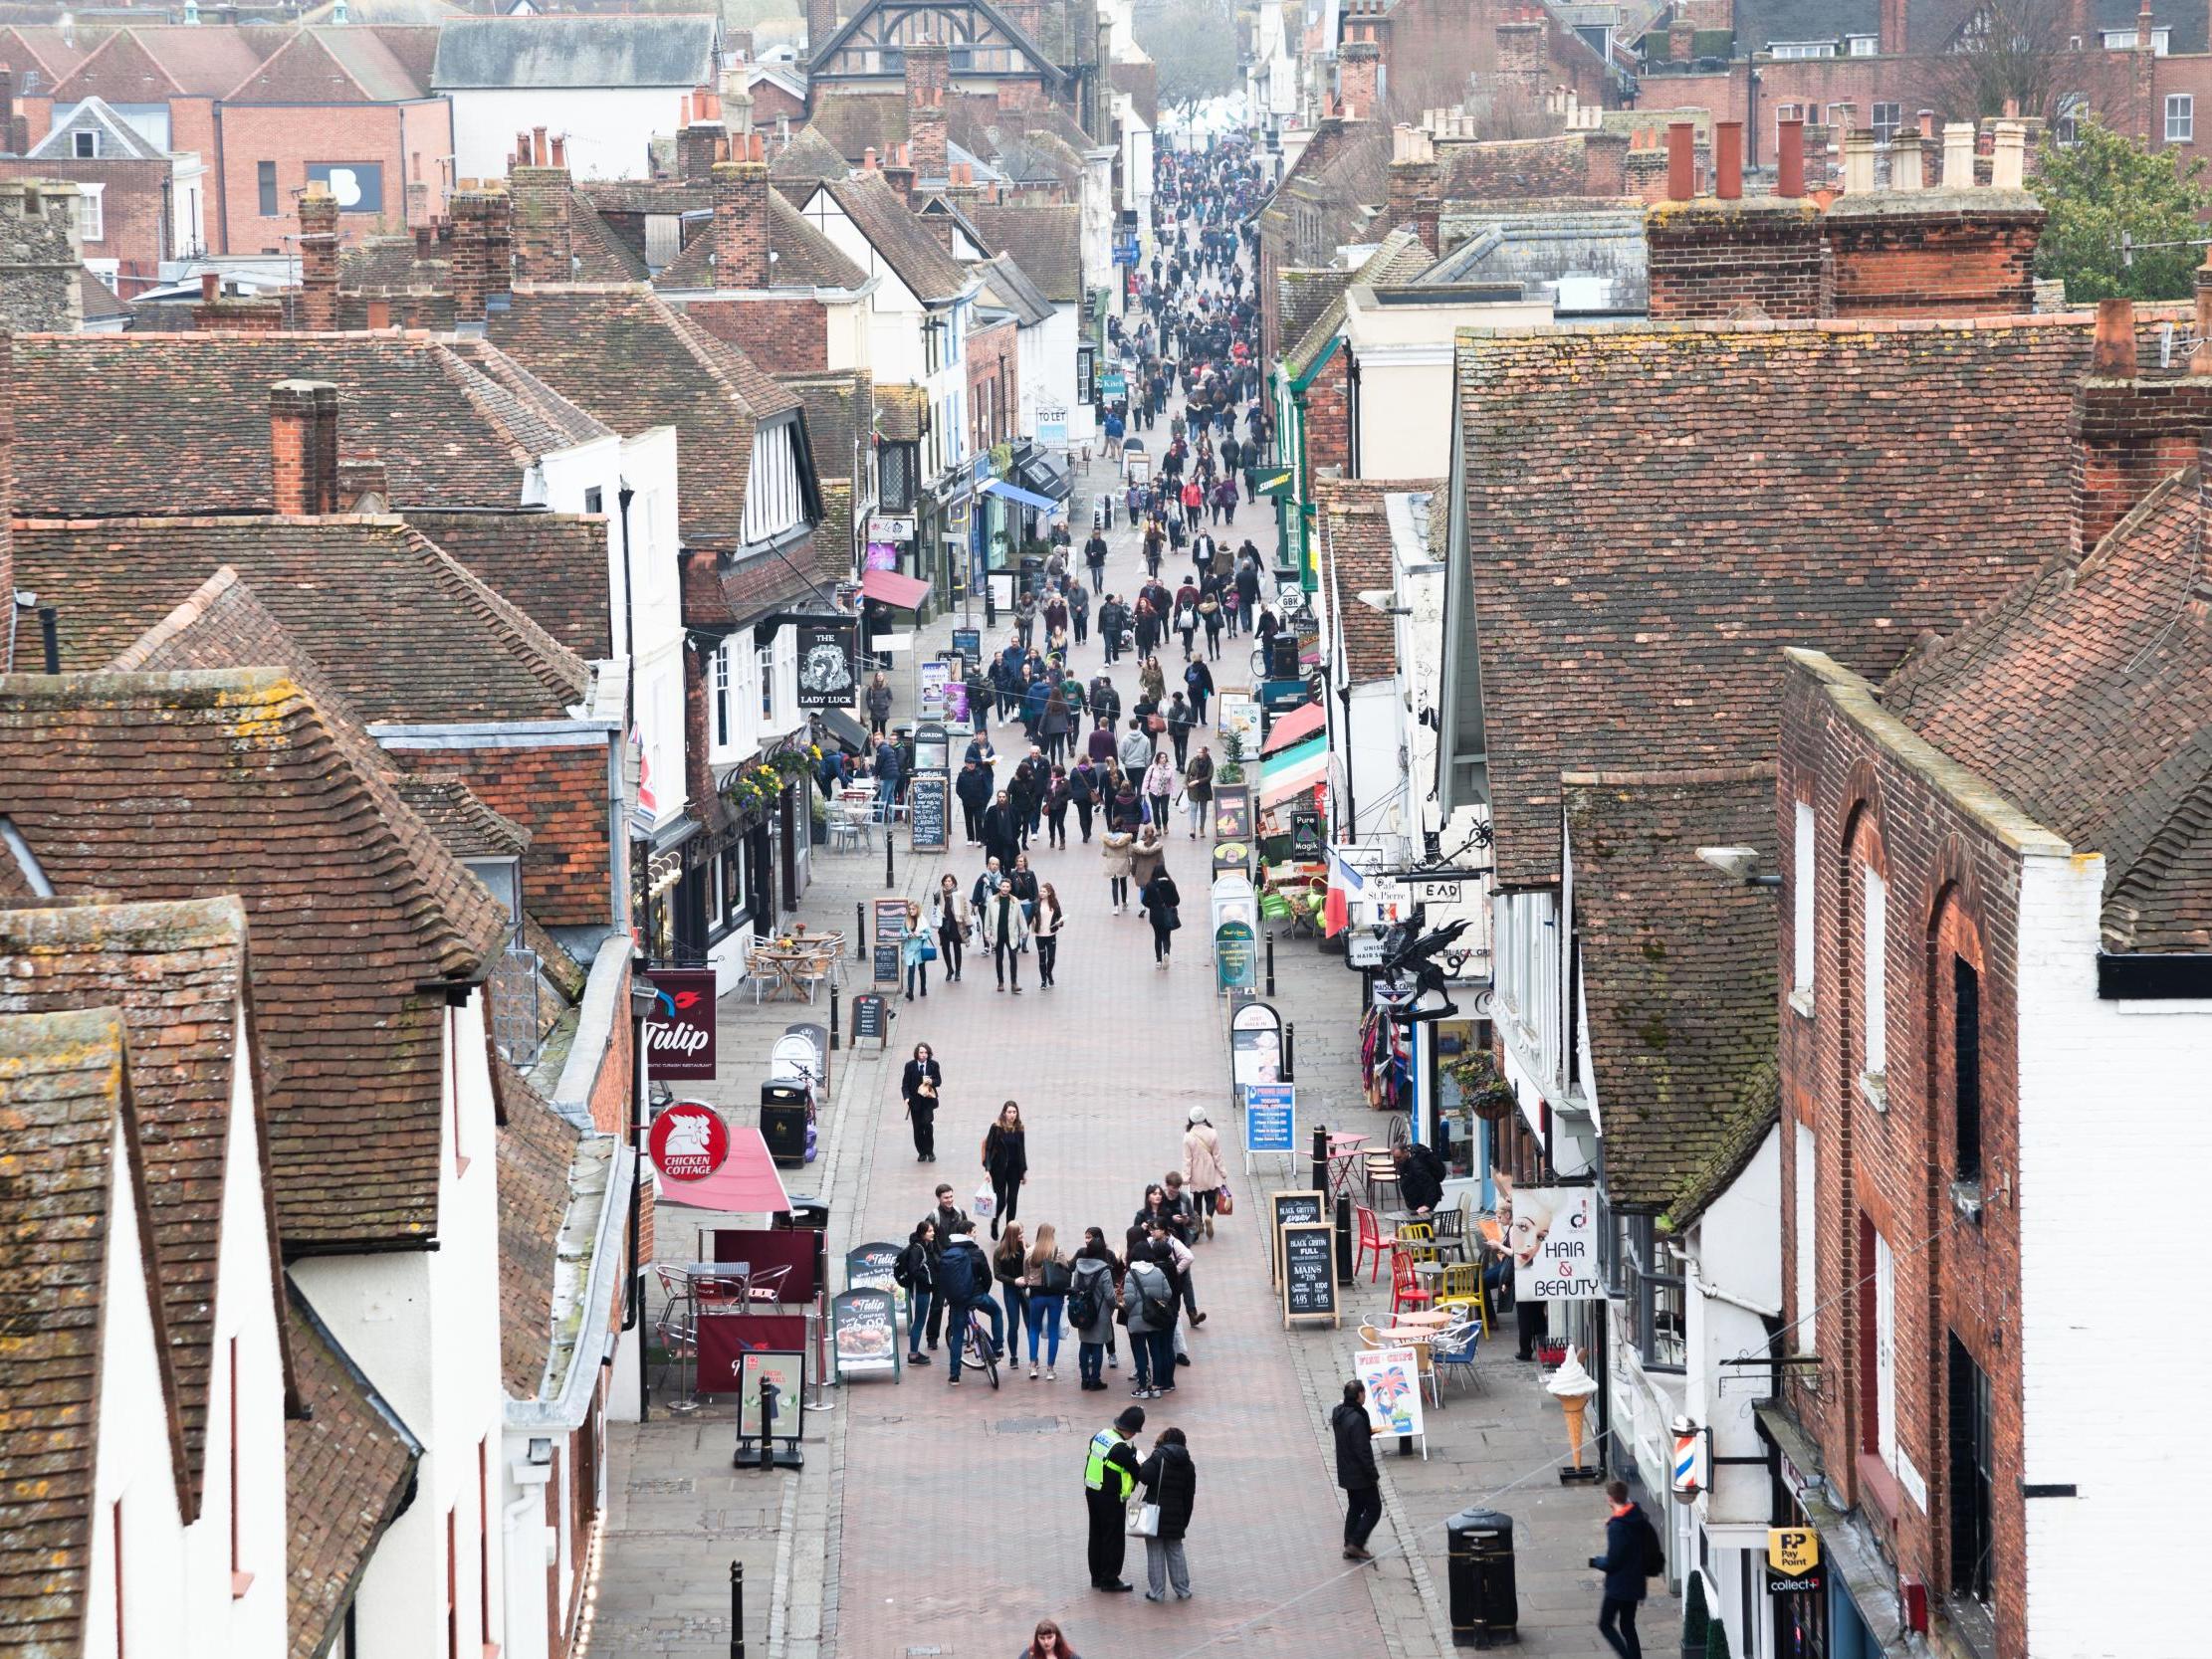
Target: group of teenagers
[(1142, 1281)]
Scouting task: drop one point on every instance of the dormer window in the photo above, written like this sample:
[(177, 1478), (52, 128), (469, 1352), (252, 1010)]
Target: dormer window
[(85, 145)]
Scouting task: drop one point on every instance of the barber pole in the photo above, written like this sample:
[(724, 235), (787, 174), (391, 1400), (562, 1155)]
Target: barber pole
[(1689, 1465)]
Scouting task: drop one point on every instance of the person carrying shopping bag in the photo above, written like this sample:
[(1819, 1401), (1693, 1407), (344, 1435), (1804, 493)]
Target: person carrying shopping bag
[(917, 950), (1202, 1172), (1171, 1484)]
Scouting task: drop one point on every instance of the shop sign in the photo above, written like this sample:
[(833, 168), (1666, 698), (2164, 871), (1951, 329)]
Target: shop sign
[(1052, 424), (1554, 1243), (1793, 1552), (891, 526), (825, 664), (1236, 958), (689, 1141), (680, 1036), (1362, 948), (1435, 889)]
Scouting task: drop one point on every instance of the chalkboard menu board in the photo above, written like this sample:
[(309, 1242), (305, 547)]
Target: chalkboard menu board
[(1287, 1210), (868, 1267), (1309, 1272), (890, 929), (926, 804), (864, 1330), (871, 1019)]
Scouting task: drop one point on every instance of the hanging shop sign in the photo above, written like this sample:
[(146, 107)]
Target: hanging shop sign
[(680, 1035), (689, 1141), (825, 665), (891, 526), (1554, 1244)]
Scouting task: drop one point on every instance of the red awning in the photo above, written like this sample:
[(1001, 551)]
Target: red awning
[(1294, 728), (748, 1182), (888, 588)]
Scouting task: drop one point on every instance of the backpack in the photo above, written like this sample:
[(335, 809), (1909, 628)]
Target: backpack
[(902, 1270), (1654, 1554), (1083, 1307)]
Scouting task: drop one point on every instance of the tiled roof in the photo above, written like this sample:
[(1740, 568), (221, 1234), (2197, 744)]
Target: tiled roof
[(720, 590), (177, 974), (62, 1088), (337, 65), (463, 824), (808, 157), (587, 53), (799, 255), (602, 256), (222, 625), (183, 785), (554, 565), (387, 264), (192, 61), (349, 1466), (898, 239), (637, 363), (1010, 285), (125, 416), (1398, 258), (645, 195), (1355, 539), (899, 410), (1649, 526), (1304, 295), (1677, 968), (840, 410), (2087, 699), (536, 1147), (852, 124), (46, 49), (1045, 239), (405, 633)]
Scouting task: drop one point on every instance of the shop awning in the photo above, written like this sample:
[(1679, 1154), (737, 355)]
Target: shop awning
[(890, 587), (1293, 772), (748, 1182), (844, 728), (1015, 492), (1294, 728)]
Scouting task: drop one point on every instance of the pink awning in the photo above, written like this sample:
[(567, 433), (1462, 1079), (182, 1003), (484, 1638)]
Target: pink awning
[(748, 1183), (889, 587), (1301, 722)]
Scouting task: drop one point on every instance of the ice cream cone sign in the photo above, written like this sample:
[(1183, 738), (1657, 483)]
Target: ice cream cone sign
[(1573, 1386)]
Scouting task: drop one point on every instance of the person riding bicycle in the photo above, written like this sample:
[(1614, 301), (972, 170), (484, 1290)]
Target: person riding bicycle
[(964, 1284)]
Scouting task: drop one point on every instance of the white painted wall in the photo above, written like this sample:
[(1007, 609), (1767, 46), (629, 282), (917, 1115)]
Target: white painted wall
[(133, 1464), (1525, 970), (423, 1325), (1406, 394), (2083, 1324), (1734, 1276), (608, 127)]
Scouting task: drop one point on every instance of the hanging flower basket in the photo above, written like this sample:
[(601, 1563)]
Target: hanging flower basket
[(1488, 1094)]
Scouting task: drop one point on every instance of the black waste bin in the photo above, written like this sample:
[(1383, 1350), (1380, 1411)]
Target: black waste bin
[(1486, 1610), (1282, 657), (784, 1121), (806, 1213)]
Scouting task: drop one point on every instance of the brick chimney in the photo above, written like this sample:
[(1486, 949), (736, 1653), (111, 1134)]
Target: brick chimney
[(928, 76), (740, 225), (2128, 433), (1356, 77), (1605, 163), (1931, 249), (1892, 41), (498, 244), (1521, 56), (472, 271), (821, 23), (898, 173), (1728, 257), (541, 194), (303, 447), (1415, 178), (319, 259), (215, 315), (8, 617), (704, 141)]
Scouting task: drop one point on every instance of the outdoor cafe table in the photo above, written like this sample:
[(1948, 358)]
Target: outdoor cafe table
[(716, 1279), (1343, 1154), (1450, 1243), (788, 964)]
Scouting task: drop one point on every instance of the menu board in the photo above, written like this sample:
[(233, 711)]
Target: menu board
[(1309, 1272), (1288, 1209), (788, 1371), (927, 804), (870, 1018), (890, 929), (864, 1330), (1233, 812), (968, 642), (868, 1267)]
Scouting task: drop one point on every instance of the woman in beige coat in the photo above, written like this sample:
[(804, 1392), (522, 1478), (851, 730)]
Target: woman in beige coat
[(1145, 856), (1114, 852), (1202, 1166)]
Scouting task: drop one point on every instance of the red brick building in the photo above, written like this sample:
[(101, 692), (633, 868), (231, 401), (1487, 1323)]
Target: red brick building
[(994, 384), (138, 204)]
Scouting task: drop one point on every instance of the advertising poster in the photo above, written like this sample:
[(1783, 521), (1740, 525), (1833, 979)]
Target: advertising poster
[(1553, 1237), (864, 1332), (1272, 1117), (1239, 715), (935, 675), (787, 1372), (1393, 1378)]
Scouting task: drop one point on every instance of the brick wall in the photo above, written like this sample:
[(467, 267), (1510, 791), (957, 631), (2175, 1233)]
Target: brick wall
[(1715, 258), (1951, 888), (1329, 416), (292, 136), (783, 337), (2127, 436), (561, 797), (993, 358)]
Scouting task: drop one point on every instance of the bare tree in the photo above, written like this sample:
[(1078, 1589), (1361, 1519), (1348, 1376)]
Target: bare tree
[(2006, 56), (1194, 45)]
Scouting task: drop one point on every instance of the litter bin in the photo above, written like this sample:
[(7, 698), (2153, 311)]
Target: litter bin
[(1485, 1611), (805, 1214), (784, 1121)]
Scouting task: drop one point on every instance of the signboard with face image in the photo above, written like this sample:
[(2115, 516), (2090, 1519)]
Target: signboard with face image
[(1553, 1238)]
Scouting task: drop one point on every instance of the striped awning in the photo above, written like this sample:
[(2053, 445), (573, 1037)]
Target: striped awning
[(1293, 772)]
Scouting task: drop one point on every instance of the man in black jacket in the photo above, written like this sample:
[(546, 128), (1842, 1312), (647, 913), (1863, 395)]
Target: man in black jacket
[(1626, 1547), (1355, 1471), (1109, 1476), (1421, 1177), (964, 1284)]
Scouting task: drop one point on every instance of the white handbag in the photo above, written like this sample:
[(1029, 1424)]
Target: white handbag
[(1144, 1520)]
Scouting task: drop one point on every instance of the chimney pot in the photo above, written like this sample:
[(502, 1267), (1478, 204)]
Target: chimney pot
[(1789, 160), (1958, 155), (2200, 359), (1859, 163), (1904, 161), (211, 286), (2008, 163), (1729, 161), (2113, 354), (1681, 161)]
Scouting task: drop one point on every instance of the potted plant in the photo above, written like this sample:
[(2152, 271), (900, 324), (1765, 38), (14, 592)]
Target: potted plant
[(817, 818), (1232, 758), (1481, 1086), (1696, 1618)]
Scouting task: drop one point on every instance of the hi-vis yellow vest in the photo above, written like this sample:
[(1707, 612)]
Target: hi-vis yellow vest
[(1096, 1468)]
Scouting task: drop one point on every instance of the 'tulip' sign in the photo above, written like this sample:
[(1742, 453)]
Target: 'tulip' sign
[(680, 1035), (1554, 1243)]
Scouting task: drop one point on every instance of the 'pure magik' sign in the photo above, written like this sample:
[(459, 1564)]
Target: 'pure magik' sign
[(1554, 1241)]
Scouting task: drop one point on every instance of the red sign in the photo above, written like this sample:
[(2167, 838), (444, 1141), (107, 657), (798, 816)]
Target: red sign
[(680, 1037), (689, 1141)]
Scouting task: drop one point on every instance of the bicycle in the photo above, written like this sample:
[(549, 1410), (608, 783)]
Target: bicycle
[(976, 1353)]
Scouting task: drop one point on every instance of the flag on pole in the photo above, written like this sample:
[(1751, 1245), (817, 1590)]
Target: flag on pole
[(1343, 881)]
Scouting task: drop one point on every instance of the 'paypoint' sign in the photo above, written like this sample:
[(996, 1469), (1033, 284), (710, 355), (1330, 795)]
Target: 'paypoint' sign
[(1554, 1241)]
